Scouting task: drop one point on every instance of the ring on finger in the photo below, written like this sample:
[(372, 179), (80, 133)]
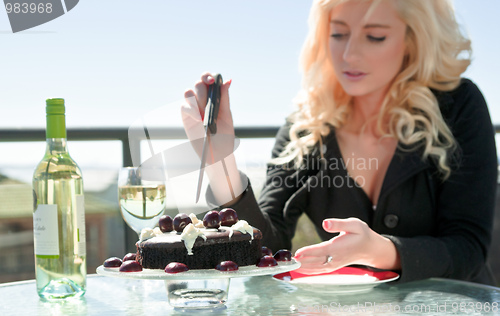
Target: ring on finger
[(328, 259)]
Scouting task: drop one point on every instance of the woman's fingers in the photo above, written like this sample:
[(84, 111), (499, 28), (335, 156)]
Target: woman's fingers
[(224, 98), (348, 225), (346, 248), (190, 107), (201, 94), (319, 264), (313, 260), (191, 119), (315, 250), (207, 78), (193, 110), (355, 244)]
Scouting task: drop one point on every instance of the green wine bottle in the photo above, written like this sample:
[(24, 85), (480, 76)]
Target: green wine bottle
[(59, 215)]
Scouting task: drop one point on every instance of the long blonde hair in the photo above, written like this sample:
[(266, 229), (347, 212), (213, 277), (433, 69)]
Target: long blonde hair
[(435, 60)]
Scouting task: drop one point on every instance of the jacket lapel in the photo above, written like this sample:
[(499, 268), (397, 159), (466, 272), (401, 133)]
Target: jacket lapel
[(404, 164)]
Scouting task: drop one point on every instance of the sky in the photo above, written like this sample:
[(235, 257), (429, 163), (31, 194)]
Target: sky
[(116, 60)]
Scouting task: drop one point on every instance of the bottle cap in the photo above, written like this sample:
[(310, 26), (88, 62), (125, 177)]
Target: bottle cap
[(56, 124), (55, 106)]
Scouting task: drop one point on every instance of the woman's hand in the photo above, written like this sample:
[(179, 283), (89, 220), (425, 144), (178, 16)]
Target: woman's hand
[(193, 112), (355, 244), (221, 144)]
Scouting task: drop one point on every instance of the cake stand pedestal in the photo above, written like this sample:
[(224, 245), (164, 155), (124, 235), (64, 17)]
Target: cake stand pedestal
[(199, 289)]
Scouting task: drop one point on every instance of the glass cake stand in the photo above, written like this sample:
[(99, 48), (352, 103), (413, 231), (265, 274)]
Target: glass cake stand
[(199, 289)]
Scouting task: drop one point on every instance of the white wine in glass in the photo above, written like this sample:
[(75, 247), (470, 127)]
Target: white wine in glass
[(142, 202)]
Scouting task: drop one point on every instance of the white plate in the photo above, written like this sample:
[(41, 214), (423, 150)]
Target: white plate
[(344, 280), (159, 274)]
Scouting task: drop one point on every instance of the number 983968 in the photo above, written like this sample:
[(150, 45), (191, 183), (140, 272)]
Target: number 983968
[(28, 8)]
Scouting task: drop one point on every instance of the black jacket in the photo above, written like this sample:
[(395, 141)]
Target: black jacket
[(441, 229)]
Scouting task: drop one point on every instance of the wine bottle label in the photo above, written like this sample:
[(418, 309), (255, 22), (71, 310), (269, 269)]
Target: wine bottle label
[(46, 231), (80, 248)]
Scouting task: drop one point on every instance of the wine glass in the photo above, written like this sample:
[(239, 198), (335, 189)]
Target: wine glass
[(142, 198)]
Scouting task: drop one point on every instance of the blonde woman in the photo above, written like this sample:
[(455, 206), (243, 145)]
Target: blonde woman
[(390, 153)]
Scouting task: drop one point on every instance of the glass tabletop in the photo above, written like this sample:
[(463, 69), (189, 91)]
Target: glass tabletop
[(260, 295)]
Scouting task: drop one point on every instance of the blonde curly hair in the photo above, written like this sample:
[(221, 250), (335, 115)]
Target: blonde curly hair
[(438, 53)]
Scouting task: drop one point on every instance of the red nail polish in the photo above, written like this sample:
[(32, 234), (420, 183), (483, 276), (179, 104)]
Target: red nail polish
[(326, 225)]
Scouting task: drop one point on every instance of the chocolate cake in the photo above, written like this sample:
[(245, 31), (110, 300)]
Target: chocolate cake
[(211, 247)]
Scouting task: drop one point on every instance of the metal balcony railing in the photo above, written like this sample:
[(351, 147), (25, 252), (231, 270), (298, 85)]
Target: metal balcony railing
[(122, 135)]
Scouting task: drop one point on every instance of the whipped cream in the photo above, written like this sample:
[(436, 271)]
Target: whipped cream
[(157, 231), (196, 222), (147, 233), (189, 235), (242, 226)]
